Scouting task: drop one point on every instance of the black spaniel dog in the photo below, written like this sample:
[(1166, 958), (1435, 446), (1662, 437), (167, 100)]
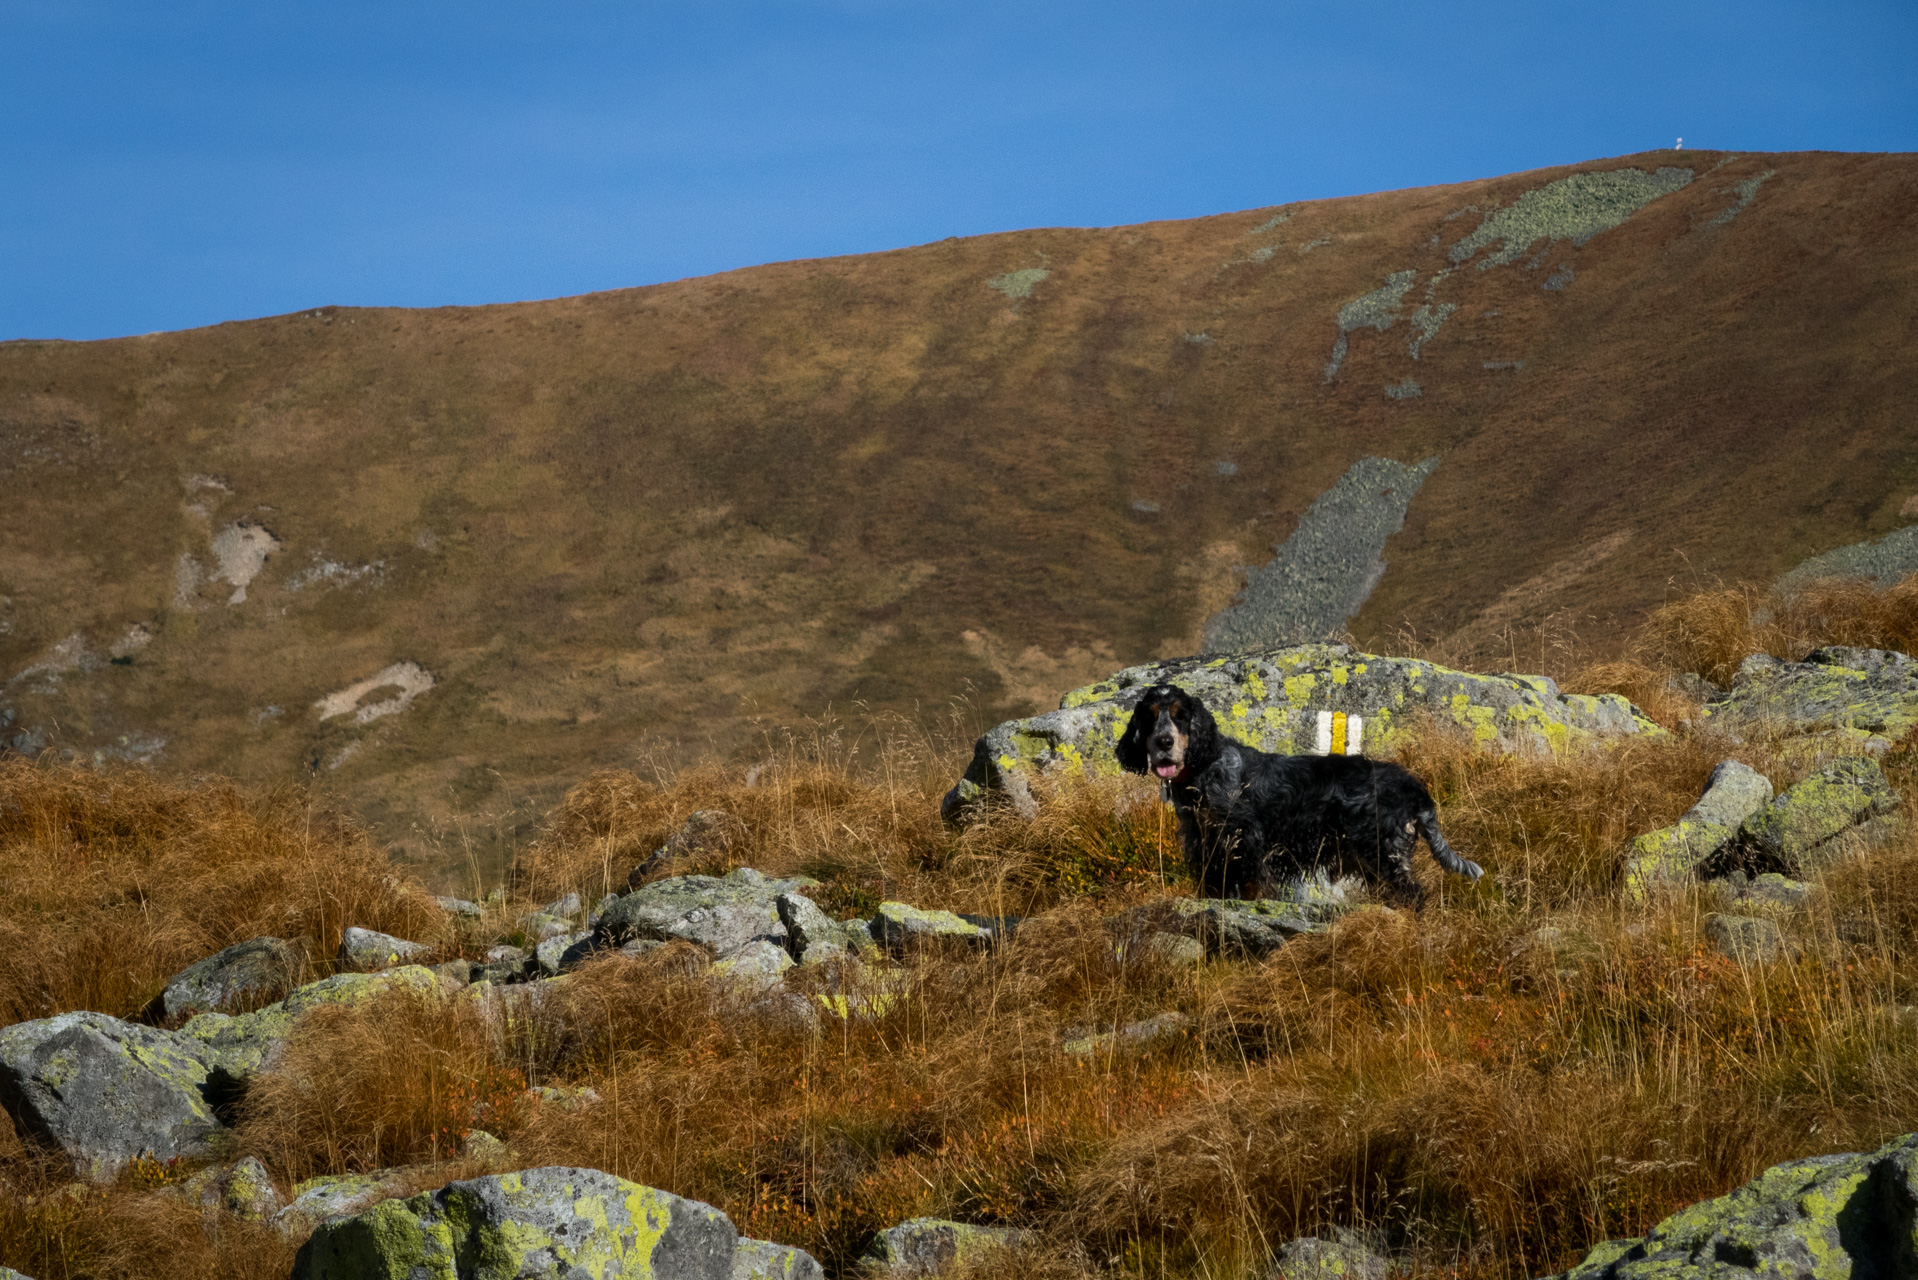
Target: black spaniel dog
[(1251, 820)]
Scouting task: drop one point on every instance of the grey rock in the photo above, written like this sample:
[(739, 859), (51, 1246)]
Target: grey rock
[(1850, 696), (935, 1246), (541, 925), (567, 906), (721, 915), (243, 1188), (478, 1144), (236, 1046), (1828, 1216), (815, 937), (506, 955), (1271, 700), (1799, 830), (764, 1260), (1177, 950), (1771, 889), (899, 928), (8, 1273), (1143, 1034), (253, 971), (1244, 929), (454, 974), (539, 1224), (1732, 794), (1313, 1258), (754, 968), (367, 949), (335, 1195), (460, 907), (104, 1092), (558, 954), (1752, 939)]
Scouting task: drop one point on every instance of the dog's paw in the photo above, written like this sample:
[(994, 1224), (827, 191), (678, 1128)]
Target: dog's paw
[(1473, 871)]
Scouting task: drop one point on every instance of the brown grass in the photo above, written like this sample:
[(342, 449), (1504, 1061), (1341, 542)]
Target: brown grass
[(1490, 1086), (114, 880), (1713, 631)]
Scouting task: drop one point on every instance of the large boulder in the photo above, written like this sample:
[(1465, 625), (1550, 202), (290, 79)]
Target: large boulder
[(1734, 793), (245, 972), (1826, 1218), (1817, 818), (533, 1225), (1867, 698), (720, 914), (104, 1092), (1272, 699), (236, 1046)]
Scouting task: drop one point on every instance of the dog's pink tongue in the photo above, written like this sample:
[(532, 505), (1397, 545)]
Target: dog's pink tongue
[(1167, 771)]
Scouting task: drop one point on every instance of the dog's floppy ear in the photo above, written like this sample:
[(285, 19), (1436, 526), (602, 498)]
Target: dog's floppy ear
[(1131, 748), (1202, 738)]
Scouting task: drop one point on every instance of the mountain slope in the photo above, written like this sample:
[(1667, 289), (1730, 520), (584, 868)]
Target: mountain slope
[(518, 541)]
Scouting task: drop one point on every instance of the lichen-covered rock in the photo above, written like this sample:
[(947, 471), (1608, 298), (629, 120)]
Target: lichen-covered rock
[(8, 1273), (244, 972), (935, 1246), (815, 937), (539, 1224), (764, 1260), (367, 949), (1271, 700), (460, 907), (754, 968), (238, 1045), (103, 1092), (336, 1195), (1243, 929), (1849, 696), (1313, 1258), (1752, 939), (1797, 831), (243, 1188), (1826, 1218), (562, 951), (720, 914), (899, 928), (1734, 793), (1771, 889)]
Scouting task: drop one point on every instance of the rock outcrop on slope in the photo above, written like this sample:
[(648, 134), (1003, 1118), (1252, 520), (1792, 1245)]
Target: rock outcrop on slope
[(1272, 700), (540, 1223), (1838, 698), (1843, 1217)]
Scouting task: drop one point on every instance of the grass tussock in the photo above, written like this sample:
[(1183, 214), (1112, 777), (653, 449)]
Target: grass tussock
[(111, 881), (1711, 632), (1528, 1066)]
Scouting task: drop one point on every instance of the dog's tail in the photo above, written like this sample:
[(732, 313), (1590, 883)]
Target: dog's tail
[(1447, 856)]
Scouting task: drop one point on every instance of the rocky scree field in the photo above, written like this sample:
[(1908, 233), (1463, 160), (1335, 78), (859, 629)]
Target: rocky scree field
[(816, 1013)]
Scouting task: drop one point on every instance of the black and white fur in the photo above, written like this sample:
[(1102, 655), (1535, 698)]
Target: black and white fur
[(1251, 820)]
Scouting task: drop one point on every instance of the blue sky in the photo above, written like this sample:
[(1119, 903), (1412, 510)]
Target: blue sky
[(170, 165)]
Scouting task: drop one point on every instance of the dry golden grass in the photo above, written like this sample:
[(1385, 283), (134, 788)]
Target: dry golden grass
[(1713, 631), (112, 881), (1492, 1085)]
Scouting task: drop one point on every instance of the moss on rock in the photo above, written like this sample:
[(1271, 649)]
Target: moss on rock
[(540, 1223), (1826, 1218), (1271, 700)]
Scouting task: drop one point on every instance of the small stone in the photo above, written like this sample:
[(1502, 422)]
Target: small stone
[(541, 925), (707, 831), (244, 1189), (1134, 1036), (1175, 949), (764, 1260), (1311, 1258), (935, 1246), (560, 953), (720, 915), (1749, 939), (567, 906), (1776, 889), (899, 927), (365, 949), (318, 1199), (454, 974), (755, 967), (479, 1145), (460, 907)]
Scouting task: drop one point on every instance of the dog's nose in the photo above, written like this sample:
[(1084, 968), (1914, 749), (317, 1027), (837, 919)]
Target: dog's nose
[(1162, 741)]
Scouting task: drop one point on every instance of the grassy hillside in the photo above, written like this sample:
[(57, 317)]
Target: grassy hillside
[(637, 527), (1528, 1066)]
